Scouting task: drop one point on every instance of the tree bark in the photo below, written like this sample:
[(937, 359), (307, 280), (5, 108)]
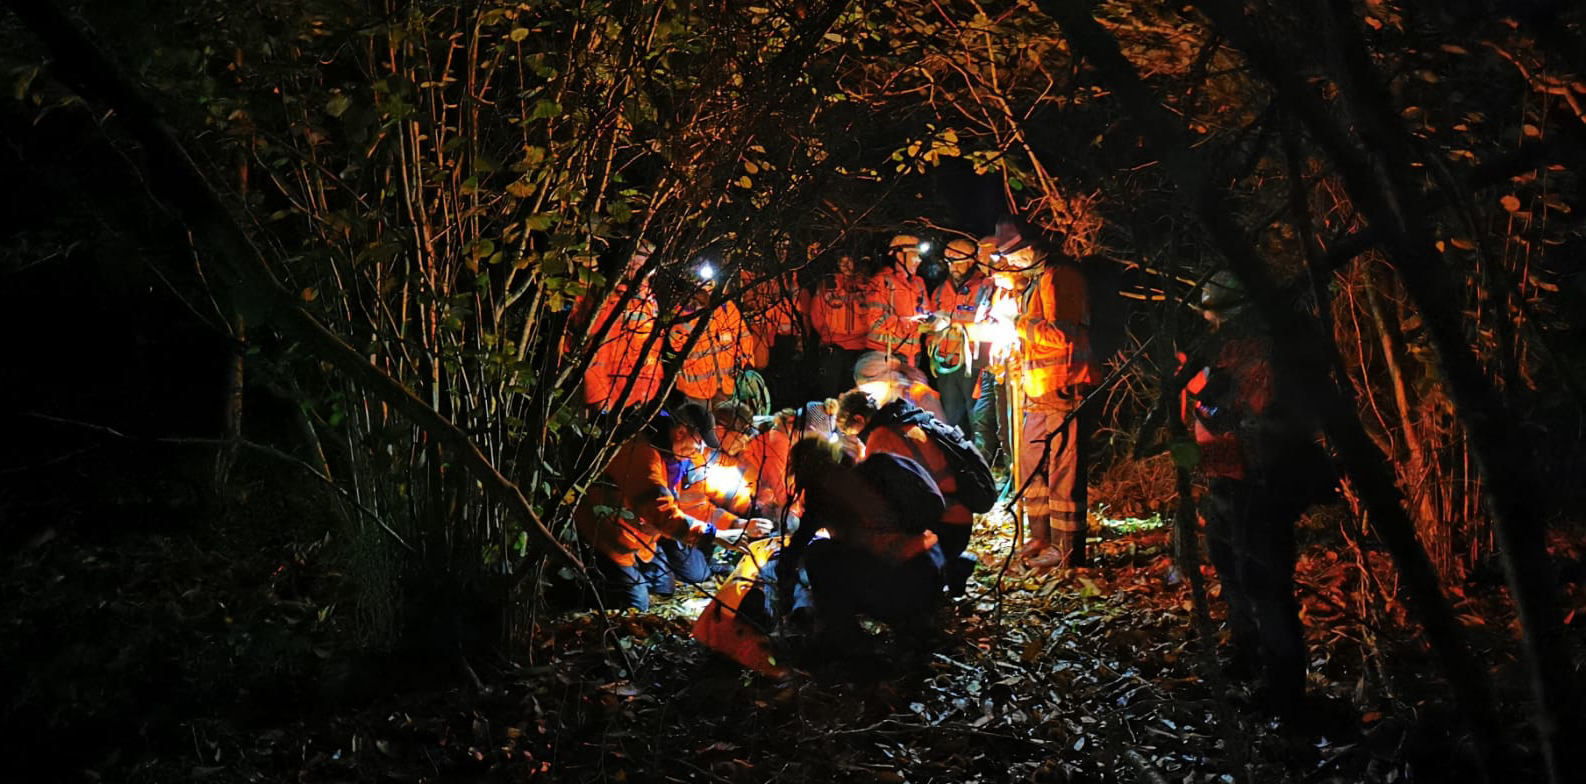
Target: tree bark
[(1384, 189), (1367, 467)]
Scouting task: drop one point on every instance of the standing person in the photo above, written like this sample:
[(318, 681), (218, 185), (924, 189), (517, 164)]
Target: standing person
[(1055, 372), (627, 349), (896, 306), (1263, 468), (954, 356), (837, 315), (774, 311), (708, 374), (643, 540), (994, 330)]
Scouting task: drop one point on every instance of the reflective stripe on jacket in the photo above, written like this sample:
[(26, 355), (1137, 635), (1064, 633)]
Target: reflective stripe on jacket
[(1054, 331), (896, 297), (725, 346), (621, 354), (961, 303), (837, 311)]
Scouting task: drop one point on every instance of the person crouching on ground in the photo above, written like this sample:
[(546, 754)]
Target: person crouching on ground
[(860, 416), (876, 562), (642, 539)]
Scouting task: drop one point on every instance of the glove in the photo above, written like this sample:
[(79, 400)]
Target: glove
[(758, 527)]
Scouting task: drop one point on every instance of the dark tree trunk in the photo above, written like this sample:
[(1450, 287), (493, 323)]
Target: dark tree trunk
[(1385, 190), (1305, 364)]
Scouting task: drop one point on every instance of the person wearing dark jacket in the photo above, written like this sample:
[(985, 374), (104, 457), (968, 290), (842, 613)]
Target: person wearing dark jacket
[(1263, 467), (874, 561)]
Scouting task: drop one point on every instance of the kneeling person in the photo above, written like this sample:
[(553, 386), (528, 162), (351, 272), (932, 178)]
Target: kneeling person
[(878, 561), (643, 540)]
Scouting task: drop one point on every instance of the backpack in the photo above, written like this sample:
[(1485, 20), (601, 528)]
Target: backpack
[(907, 487), (976, 487)]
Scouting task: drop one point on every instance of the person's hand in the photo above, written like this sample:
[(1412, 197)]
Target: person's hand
[(729, 537), (758, 527)]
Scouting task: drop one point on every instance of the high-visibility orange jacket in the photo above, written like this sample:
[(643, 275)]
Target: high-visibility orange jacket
[(714, 489), (912, 442), (625, 514), (772, 311), (962, 304), (837, 311), (621, 354), (895, 299), (764, 463), (726, 346), (1054, 332)]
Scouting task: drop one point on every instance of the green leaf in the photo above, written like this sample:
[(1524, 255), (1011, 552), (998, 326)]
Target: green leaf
[(1186, 454), (518, 34), (338, 105), (545, 108)]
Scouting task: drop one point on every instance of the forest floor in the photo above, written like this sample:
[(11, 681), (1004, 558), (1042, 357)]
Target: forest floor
[(220, 653)]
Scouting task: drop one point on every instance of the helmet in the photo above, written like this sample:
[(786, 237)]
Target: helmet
[(1010, 236), (903, 242), (1222, 293)]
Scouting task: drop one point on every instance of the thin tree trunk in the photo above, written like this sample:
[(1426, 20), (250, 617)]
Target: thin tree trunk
[(1392, 348), (231, 413), (240, 266), (1366, 465)]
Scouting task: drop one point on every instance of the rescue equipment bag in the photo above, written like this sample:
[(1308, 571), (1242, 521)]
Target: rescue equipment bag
[(976, 487)]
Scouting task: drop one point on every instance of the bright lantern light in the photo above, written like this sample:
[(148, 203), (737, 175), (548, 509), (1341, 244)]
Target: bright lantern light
[(882, 391), (723, 480)]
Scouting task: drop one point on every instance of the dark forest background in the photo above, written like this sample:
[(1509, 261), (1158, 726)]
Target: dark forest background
[(288, 281)]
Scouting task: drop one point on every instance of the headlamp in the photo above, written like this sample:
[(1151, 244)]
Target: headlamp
[(925, 247), (706, 271)]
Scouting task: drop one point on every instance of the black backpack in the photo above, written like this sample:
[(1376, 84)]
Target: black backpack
[(976, 487), (910, 492)]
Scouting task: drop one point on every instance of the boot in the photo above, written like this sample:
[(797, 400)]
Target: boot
[(1040, 537), (957, 572)]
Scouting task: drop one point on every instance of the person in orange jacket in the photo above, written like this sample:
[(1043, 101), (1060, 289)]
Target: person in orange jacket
[(628, 349), (761, 454), (1055, 372), (708, 375), (954, 356), (775, 311), (837, 311), (895, 308), (643, 541)]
